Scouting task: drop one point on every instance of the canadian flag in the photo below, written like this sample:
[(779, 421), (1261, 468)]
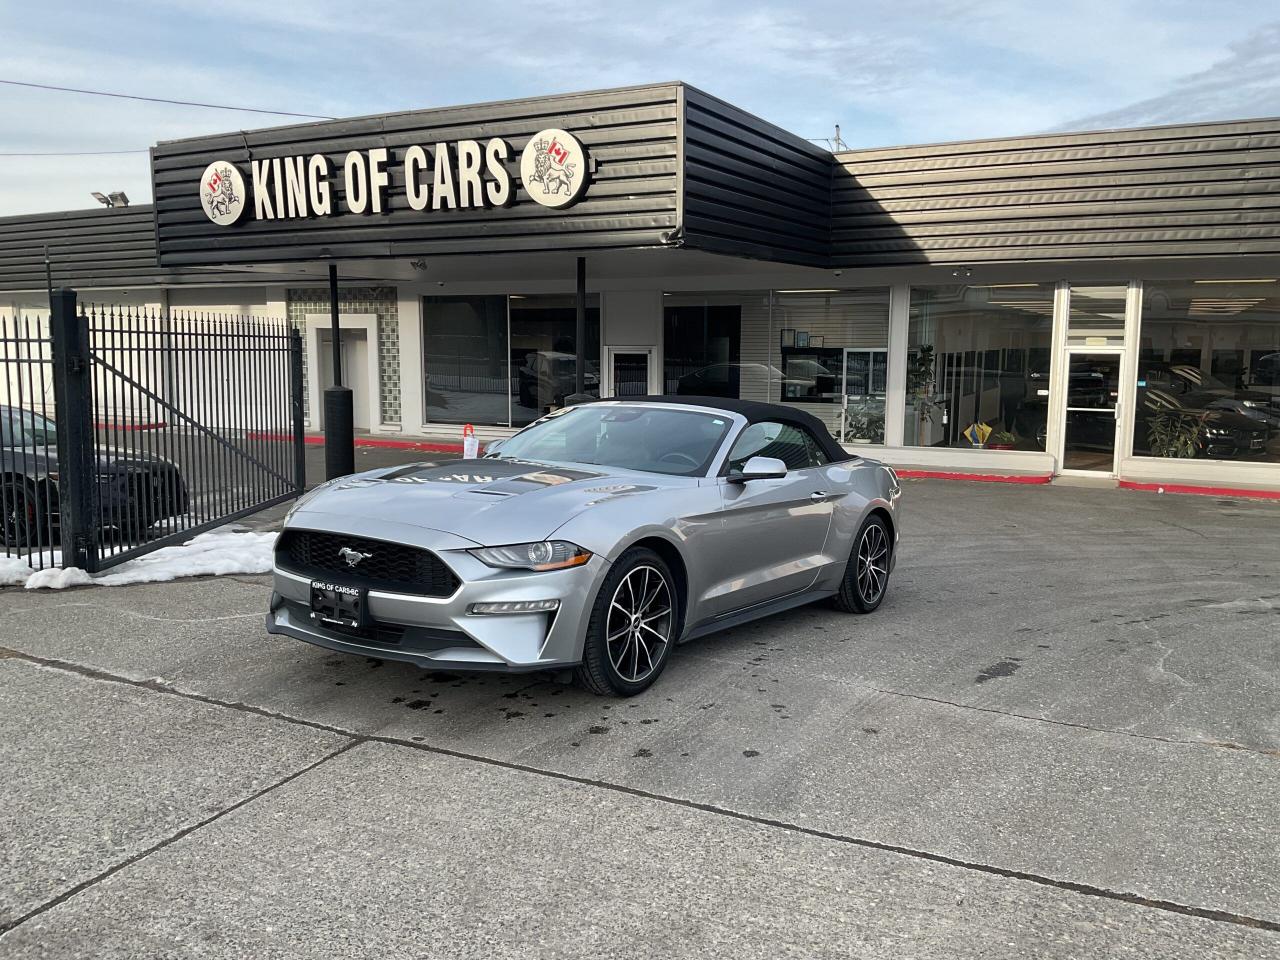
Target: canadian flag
[(214, 181), (558, 152)]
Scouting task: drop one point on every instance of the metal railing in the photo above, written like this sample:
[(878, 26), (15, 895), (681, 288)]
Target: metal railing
[(28, 442), (143, 428)]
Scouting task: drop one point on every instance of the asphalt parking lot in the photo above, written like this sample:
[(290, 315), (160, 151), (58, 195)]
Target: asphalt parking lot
[(1059, 737)]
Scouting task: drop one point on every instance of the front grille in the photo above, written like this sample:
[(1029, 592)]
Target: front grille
[(389, 566)]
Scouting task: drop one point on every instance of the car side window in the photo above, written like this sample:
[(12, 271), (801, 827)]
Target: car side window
[(782, 441), (817, 456)]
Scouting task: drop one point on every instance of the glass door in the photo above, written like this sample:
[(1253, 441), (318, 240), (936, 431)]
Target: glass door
[(1092, 412), (630, 370)]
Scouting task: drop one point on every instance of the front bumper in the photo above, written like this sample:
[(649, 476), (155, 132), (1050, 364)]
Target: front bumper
[(439, 632)]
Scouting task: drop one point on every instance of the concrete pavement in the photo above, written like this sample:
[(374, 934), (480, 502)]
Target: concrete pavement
[(1059, 737)]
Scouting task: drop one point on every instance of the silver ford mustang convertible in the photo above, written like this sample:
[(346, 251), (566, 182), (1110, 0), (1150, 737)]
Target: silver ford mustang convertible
[(593, 540)]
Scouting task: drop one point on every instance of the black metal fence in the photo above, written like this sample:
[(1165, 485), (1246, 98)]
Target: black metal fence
[(28, 441), (161, 425)]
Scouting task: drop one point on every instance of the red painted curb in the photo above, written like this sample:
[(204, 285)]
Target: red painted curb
[(983, 477), (426, 446), (157, 425), (1240, 492)]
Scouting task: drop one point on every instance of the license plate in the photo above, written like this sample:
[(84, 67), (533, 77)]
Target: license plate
[(339, 605), (1257, 443)]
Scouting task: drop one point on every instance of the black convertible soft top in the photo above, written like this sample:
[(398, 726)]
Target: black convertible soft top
[(756, 411)]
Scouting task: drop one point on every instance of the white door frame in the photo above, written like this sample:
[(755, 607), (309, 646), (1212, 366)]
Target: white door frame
[(1061, 409), (1059, 377), (368, 322), (606, 375)]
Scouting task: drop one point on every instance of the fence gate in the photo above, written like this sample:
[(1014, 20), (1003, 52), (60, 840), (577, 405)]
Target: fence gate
[(168, 424)]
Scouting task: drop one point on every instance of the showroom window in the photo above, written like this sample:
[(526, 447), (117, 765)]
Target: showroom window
[(702, 342), (831, 349), (504, 361), (1208, 376), (544, 354), (978, 365), (465, 359)]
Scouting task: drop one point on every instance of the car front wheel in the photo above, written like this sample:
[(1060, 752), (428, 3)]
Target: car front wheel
[(866, 577), (632, 626), (26, 516)]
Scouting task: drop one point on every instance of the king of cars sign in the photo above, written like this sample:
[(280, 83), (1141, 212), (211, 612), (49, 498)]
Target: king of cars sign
[(463, 174)]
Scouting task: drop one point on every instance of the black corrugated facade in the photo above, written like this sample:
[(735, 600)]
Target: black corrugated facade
[(632, 197), (672, 166), (92, 248), (1200, 190), (750, 188)]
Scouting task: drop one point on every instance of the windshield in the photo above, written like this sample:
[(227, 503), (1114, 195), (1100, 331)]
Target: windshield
[(651, 439), (19, 428)]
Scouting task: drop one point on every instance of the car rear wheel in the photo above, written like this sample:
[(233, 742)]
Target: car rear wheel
[(24, 515), (866, 577), (632, 626)]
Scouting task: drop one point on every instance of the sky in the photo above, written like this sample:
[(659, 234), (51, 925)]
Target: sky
[(887, 71)]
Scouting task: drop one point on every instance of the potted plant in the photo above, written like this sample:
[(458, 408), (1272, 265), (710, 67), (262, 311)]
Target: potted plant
[(864, 425), (919, 385), (1173, 434), (1001, 440)]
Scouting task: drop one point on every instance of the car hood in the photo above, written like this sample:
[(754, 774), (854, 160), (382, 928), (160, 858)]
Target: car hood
[(489, 501), (1231, 420)]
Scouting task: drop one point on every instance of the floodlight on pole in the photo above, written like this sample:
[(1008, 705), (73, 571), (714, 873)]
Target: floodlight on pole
[(102, 198), (118, 198)]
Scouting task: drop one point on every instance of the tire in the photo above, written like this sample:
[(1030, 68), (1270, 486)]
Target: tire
[(25, 516), (866, 576), (639, 585)]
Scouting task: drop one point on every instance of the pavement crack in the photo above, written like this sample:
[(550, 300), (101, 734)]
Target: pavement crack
[(1033, 718), (66, 895), (1071, 886), (1179, 741)]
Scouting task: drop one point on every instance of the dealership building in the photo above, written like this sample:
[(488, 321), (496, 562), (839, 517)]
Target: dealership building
[(1101, 304)]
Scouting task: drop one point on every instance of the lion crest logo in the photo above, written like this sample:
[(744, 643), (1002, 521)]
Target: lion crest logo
[(552, 168), (222, 192)]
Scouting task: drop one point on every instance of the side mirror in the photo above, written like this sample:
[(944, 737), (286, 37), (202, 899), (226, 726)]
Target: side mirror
[(759, 468), (491, 447)]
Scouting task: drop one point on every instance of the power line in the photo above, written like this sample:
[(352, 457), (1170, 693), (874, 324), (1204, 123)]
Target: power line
[(180, 103), (75, 153)]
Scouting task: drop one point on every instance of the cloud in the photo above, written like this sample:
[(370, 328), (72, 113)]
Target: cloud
[(889, 71), (1246, 83)]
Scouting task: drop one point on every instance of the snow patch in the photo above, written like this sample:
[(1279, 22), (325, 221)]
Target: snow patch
[(217, 553)]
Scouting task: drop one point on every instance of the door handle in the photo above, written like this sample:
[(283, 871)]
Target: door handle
[(818, 496)]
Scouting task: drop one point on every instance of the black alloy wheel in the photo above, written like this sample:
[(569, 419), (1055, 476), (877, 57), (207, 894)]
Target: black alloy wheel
[(866, 577), (632, 627)]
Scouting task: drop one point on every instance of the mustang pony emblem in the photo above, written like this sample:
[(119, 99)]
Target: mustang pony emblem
[(353, 556)]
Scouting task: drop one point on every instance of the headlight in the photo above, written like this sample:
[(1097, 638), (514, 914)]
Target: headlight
[(1254, 404), (547, 555), (1217, 432)]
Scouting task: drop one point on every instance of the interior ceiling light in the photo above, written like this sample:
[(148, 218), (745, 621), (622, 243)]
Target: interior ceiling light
[(1220, 307), (1235, 281), (809, 291)]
